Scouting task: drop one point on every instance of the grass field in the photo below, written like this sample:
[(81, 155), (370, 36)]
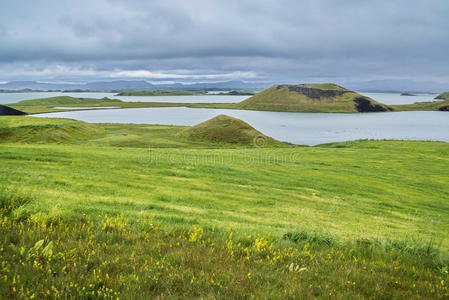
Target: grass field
[(386, 195), (364, 219)]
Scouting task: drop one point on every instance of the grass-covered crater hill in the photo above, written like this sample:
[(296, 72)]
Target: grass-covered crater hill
[(225, 129), (51, 104), (443, 96), (326, 97)]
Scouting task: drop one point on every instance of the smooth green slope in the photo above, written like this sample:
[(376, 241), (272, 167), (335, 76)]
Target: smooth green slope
[(362, 190)]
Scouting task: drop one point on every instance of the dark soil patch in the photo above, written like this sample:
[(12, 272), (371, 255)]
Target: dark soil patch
[(365, 105), (444, 108), (313, 92), (8, 111)]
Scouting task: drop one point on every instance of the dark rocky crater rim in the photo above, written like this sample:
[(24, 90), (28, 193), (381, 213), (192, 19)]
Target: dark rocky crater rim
[(363, 104), (313, 93), (8, 111)]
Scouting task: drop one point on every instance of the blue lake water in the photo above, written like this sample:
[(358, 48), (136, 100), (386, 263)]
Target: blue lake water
[(396, 98), (16, 97), (387, 98), (297, 128)]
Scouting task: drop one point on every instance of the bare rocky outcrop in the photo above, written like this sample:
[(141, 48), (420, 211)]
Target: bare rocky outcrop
[(8, 111), (363, 104), (313, 93)]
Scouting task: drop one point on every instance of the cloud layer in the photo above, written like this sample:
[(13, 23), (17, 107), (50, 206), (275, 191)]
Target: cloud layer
[(270, 40)]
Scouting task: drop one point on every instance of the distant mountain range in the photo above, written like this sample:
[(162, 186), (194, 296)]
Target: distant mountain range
[(364, 86), (397, 86), (129, 85)]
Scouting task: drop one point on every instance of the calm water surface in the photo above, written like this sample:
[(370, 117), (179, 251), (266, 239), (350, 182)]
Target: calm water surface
[(297, 128), (396, 98), (387, 98), (16, 97)]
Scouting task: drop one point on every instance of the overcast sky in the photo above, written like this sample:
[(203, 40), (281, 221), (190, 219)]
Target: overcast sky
[(211, 40)]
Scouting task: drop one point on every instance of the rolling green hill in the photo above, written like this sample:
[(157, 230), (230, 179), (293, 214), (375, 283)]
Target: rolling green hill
[(225, 129), (311, 98), (42, 130), (32, 130)]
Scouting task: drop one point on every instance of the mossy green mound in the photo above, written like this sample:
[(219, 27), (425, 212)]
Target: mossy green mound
[(326, 97), (43, 130), (225, 129)]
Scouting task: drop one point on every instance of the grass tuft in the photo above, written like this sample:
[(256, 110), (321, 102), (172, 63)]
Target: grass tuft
[(303, 236), (12, 199)]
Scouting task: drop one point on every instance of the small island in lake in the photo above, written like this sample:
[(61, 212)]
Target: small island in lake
[(325, 97)]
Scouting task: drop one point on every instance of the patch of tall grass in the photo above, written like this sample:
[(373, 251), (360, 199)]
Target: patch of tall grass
[(114, 259), (12, 198)]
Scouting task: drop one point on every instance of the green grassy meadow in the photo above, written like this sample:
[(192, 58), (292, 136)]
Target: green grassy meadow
[(388, 195), (135, 212)]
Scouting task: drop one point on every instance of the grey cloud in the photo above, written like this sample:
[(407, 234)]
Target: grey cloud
[(278, 40)]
